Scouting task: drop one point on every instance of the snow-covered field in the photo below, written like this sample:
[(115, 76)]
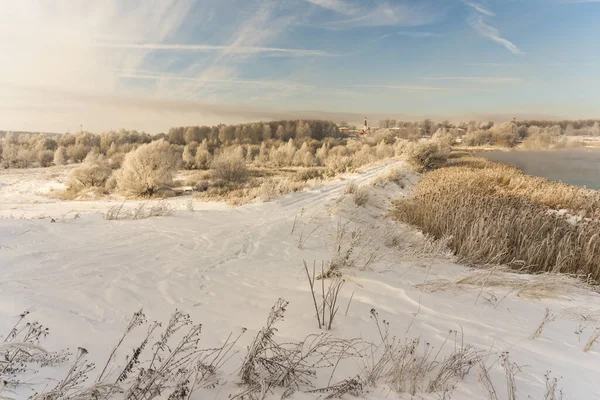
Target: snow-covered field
[(84, 276)]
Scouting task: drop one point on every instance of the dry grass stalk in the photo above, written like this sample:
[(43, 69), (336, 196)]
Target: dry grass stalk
[(327, 310), (548, 317), (141, 211), (484, 378), (353, 247), (353, 386), (407, 369), (593, 339), (174, 369), (552, 390), (269, 364), (20, 352), (351, 188), (511, 370)]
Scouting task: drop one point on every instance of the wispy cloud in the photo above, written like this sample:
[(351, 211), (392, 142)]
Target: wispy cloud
[(381, 13), (385, 14), (209, 81), (410, 88), (493, 34), (339, 6), (213, 48), (418, 34), (479, 8), (477, 21), (474, 79)]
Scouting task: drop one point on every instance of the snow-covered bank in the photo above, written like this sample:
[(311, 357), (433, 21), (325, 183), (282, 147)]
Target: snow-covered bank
[(84, 277)]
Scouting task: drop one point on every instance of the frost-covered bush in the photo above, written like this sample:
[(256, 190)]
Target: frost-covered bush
[(148, 169), (92, 173), (78, 152), (427, 155), (203, 159), (45, 157), (230, 166), (283, 155), (188, 157)]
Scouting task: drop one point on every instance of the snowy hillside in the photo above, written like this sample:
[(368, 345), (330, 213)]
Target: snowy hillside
[(84, 276)]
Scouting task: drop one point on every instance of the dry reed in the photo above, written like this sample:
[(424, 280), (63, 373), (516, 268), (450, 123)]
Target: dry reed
[(497, 215)]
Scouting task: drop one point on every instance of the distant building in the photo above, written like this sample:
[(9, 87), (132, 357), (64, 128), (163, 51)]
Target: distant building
[(366, 128)]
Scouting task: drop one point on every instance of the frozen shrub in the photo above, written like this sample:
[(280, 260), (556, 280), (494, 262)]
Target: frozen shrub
[(384, 150), (310, 173), (321, 154), (252, 152), (45, 157), (148, 169), (283, 155), (547, 139), (203, 159), (478, 138), (77, 152), (275, 187), (230, 166), (400, 147), (263, 153), (425, 156), (337, 164), (354, 145), (384, 135), (116, 160), (361, 196), (92, 173), (187, 157), (304, 157), (445, 138)]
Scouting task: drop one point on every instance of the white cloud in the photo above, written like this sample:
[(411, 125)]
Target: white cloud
[(493, 34), (386, 14), (479, 8), (212, 48)]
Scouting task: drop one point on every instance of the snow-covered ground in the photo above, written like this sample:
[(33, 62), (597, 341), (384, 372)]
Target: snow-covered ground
[(83, 276)]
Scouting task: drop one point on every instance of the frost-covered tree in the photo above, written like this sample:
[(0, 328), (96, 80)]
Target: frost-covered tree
[(148, 169), (266, 132), (188, 157), (59, 156)]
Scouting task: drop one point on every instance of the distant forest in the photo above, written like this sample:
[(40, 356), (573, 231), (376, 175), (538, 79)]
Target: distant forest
[(254, 133)]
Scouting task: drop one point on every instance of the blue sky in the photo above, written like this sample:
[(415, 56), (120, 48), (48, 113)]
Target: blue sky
[(143, 64)]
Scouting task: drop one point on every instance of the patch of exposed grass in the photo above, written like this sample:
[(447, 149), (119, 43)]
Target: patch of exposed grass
[(498, 215)]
